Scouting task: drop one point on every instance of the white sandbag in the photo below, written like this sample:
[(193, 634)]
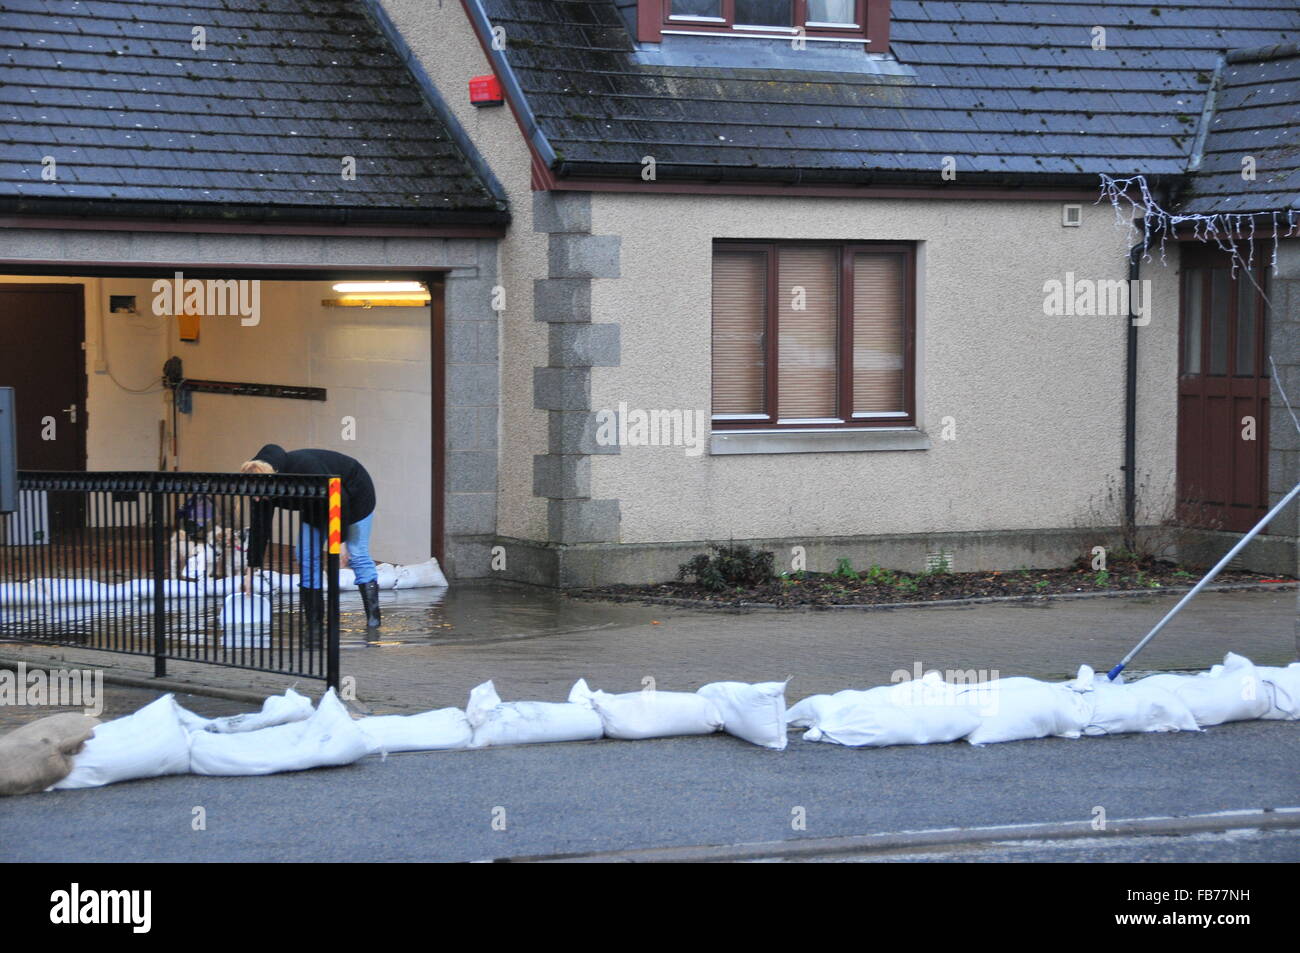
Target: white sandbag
[(1232, 691), (184, 589), (439, 730), (420, 576), (521, 723), (70, 591), (147, 744), (133, 590), (811, 710), (1015, 709), (915, 712), (225, 586), (347, 579), (807, 712), (1117, 708), (754, 712), (1283, 687), (16, 593), (386, 575), (192, 721), (328, 738), (655, 714), (276, 710)]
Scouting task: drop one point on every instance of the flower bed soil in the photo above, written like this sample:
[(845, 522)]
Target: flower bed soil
[(822, 590)]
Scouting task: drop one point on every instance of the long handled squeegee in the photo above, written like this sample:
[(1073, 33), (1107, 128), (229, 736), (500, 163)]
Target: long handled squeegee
[(1295, 490), (1241, 544), (1114, 672)]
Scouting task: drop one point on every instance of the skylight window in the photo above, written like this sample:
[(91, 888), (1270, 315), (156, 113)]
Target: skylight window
[(821, 20)]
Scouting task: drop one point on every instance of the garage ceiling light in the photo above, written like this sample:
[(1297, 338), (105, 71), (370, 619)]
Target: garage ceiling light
[(380, 287), (379, 294)]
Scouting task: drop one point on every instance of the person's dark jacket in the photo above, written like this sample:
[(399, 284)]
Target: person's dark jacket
[(358, 493)]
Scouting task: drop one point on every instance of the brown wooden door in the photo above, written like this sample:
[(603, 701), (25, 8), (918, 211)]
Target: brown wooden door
[(1223, 392), (41, 331)]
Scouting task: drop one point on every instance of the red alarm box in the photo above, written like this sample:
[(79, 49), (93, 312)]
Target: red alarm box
[(485, 91)]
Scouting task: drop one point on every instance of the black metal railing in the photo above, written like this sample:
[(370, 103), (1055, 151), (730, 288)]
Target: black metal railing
[(144, 563)]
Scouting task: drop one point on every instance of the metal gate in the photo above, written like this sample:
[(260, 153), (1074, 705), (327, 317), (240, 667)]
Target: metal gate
[(148, 567)]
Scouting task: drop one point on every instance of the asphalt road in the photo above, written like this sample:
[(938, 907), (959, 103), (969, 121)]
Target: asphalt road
[(611, 795)]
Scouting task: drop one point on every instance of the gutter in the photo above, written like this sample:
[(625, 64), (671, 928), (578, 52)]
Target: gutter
[(630, 174), (1130, 401), (220, 211)]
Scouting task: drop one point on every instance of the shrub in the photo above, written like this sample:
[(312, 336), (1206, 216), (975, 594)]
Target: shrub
[(844, 570), (732, 566)]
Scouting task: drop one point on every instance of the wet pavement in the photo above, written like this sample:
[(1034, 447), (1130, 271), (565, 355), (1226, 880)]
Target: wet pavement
[(435, 645)]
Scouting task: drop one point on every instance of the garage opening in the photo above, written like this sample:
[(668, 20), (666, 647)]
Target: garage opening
[(349, 361)]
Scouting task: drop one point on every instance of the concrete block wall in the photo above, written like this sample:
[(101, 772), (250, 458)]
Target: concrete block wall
[(563, 387), (473, 414)]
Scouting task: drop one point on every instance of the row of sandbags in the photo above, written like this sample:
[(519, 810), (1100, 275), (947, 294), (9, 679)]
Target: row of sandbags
[(57, 591), (288, 734), (929, 710)]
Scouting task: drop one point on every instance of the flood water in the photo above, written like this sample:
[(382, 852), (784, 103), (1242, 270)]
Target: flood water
[(468, 612)]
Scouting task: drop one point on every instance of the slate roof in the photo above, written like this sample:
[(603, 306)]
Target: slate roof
[(258, 122), (1010, 89), (1256, 114)]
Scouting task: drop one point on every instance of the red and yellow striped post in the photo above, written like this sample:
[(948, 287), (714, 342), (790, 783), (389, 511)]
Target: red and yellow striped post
[(336, 514), (332, 568)]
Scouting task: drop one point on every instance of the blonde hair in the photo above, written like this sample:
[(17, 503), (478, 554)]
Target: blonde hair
[(256, 466)]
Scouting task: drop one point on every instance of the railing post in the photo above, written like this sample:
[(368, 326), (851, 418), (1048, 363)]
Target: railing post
[(332, 570), (159, 581)]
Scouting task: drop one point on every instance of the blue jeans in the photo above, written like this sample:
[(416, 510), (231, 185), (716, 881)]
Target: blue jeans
[(311, 541)]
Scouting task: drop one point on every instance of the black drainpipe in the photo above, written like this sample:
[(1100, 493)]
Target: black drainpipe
[(1130, 402)]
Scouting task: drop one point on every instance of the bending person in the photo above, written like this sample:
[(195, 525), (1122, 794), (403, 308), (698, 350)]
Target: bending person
[(358, 510)]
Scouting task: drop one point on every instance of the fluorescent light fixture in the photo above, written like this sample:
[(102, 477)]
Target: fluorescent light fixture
[(380, 287)]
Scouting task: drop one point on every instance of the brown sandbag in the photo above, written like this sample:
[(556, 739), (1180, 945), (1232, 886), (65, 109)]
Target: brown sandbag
[(40, 754)]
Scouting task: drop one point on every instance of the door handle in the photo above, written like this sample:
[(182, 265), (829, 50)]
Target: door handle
[(71, 412)]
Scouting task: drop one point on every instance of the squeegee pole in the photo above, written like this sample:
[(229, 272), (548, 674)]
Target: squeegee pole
[(1241, 544)]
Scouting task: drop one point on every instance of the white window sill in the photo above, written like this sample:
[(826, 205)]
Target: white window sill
[(837, 440)]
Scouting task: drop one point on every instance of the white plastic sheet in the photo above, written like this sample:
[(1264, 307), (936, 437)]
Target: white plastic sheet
[(520, 723), (147, 744)]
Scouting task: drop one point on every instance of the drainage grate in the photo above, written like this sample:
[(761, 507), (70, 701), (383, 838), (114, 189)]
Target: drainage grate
[(940, 561)]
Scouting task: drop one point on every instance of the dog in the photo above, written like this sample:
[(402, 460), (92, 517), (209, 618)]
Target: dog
[(193, 557), (201, 548)]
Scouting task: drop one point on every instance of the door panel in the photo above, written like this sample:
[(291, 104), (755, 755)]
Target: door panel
[(41, 331), (1223, 393)]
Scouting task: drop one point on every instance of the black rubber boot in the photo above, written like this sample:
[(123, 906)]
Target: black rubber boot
[(313, 617), (370, 599)]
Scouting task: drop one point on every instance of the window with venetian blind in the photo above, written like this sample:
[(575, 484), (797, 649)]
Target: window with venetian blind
[(812, 335)]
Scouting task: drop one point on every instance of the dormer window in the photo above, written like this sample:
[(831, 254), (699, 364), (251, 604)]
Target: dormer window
[(819, 20)]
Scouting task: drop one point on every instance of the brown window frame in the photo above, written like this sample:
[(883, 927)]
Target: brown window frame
[(798, 17), (654, 17), (844, 366)]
